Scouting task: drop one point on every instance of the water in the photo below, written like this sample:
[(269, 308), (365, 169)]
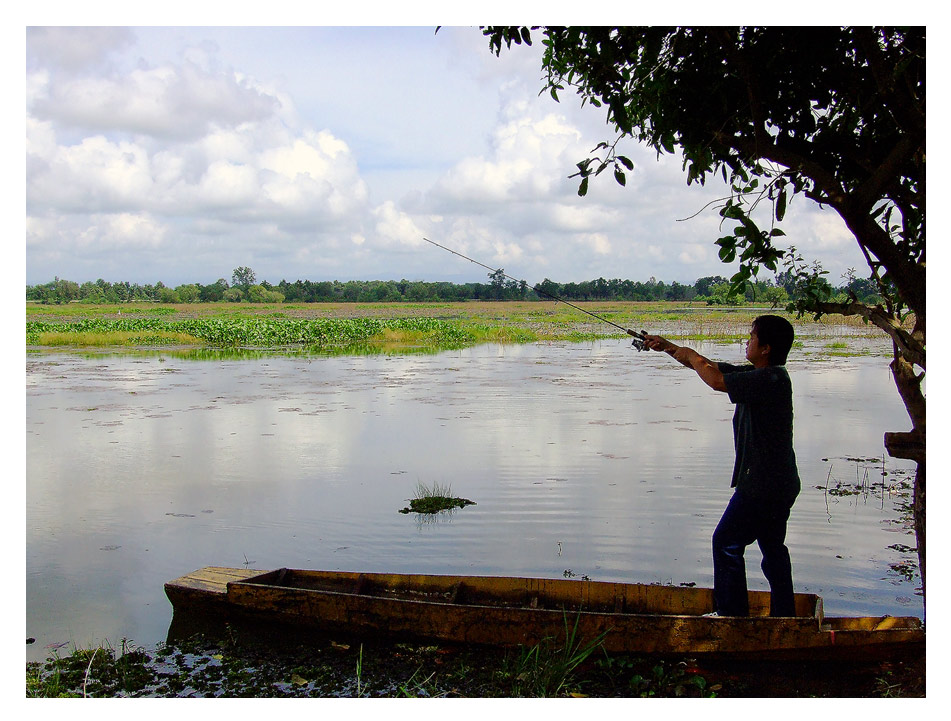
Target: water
[(583, 460)]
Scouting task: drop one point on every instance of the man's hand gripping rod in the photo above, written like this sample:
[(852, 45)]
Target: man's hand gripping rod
[(639, 336)]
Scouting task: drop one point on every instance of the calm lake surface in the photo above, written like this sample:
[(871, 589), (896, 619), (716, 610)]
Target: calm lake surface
[(583, 459)]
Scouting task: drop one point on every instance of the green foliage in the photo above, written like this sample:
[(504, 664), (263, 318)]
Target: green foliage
[(188, 293), (242, 277), (704, 285), (776, 296), (723, 294), (658, 679), (64, 291), (168, 295), (386, 291), (260, 294), (811, 289), (213, 292)]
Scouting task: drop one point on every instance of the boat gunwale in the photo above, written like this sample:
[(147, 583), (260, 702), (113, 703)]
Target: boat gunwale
[(263, 580)]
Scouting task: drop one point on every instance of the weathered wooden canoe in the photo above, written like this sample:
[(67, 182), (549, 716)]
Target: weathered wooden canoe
[(503, 611)]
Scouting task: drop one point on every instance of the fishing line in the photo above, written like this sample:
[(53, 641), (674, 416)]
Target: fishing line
[(639, 337)]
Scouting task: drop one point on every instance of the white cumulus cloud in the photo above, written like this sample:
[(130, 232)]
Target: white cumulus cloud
[(331, 152), (394, 228)]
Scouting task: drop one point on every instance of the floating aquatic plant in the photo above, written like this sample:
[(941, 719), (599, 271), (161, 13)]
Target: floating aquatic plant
[(435, 499)]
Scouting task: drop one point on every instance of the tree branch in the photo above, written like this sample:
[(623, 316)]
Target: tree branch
[(885, 174), (909, 344)]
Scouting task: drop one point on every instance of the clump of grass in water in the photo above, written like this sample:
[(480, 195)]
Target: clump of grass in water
[(435, 499)]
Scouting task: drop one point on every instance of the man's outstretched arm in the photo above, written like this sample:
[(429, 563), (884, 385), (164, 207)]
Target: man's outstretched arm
[(708, 371)]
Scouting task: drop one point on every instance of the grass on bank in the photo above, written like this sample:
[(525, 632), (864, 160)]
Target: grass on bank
[(232, 667)]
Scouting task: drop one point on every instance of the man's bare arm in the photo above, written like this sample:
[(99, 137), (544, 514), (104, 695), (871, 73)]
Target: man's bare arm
[(708, 371)]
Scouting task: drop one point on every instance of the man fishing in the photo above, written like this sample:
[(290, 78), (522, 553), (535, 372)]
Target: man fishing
[(764, 474)]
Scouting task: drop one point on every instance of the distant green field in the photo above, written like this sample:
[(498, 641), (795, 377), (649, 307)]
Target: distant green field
[(385, 326)]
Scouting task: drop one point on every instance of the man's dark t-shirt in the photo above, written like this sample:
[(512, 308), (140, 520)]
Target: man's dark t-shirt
[(765, 465)]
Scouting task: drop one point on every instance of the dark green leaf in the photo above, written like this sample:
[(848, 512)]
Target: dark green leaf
[(583, 187), (619, 177), (737, 288), (619, 114), (781, 206)]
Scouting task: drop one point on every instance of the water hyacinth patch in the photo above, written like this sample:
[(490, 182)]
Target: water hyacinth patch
[(259, 332)]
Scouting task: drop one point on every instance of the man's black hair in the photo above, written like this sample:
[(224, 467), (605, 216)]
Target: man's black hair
[(777, 333)]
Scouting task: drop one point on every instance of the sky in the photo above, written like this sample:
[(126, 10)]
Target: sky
[(177, 153)]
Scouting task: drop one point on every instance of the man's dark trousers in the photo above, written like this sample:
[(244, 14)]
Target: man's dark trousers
[(746, 520)]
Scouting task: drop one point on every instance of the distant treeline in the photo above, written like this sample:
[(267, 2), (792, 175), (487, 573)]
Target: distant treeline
[(713, 290)]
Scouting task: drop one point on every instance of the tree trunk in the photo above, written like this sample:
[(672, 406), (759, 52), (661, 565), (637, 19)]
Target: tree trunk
[(919, 506), (912, 445)]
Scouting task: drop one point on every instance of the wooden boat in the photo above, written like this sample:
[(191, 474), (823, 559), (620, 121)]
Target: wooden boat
[(504, 611)]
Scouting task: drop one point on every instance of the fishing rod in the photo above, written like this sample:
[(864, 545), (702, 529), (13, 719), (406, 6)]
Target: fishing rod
[(639, 336)]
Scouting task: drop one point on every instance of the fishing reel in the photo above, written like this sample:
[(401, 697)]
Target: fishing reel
[(639, 339)]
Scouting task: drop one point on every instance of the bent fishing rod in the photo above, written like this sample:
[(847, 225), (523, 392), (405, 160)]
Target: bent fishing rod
[(639, 336)]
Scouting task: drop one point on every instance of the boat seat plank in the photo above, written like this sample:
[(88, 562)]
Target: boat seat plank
[(213, 579)]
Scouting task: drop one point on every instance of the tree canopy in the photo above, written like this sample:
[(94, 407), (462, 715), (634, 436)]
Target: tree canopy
[(714, 290)]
